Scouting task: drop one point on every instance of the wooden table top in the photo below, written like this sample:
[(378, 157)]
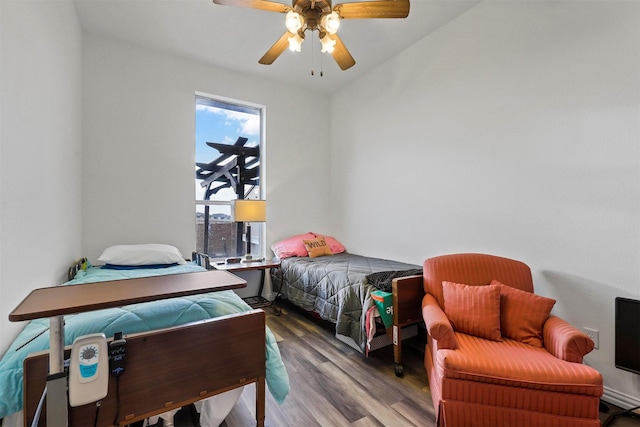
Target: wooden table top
[(70, 299)]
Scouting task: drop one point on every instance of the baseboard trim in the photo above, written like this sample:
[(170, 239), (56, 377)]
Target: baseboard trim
[(619, 399)]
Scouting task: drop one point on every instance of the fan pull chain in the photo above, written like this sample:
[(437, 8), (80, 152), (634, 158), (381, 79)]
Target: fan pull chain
[(312, 58), (312, 50)]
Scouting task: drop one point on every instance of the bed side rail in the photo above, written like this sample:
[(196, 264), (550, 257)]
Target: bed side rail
[(79, 264), (201, 259)]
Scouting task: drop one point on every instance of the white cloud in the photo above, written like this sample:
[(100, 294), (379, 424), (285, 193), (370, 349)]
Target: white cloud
[(249, 124)]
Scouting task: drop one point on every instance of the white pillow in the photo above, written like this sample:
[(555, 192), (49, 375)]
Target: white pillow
[(148, 254)]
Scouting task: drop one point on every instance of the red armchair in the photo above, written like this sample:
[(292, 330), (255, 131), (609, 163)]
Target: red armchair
[(510, 364)]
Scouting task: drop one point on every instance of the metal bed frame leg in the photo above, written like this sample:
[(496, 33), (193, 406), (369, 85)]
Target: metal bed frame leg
[(397, 351), (57, 378)]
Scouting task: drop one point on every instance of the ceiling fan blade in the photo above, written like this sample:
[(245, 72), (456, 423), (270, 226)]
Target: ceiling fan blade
[(267, 5), (275, 50), (341, 54), (373, 9)]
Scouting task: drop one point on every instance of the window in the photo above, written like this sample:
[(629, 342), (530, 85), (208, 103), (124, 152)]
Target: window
[(229, 165)]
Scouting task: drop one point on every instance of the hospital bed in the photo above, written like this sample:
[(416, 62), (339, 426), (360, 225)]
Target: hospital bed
[(180, 350)]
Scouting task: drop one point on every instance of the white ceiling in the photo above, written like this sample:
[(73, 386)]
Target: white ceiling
[(235, 38)]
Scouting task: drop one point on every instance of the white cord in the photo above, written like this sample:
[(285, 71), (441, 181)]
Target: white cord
[(36, 417)]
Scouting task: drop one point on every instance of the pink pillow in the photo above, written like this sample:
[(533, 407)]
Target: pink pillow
[(293, 246), (336, 247), (473, 310), (522, 314)]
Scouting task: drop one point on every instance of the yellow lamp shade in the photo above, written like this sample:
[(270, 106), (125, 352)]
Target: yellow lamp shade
[(249, 210)]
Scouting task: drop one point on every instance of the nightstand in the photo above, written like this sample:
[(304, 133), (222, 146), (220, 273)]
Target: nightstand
[(257, 301)]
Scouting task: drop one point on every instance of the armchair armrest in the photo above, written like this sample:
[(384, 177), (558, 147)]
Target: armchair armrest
[(564, 341), (407, 296), (438, 325)]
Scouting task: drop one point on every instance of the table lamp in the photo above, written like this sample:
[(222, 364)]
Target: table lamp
[(249, 211)]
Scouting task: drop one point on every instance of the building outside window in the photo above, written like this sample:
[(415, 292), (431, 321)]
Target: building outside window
[(229, 165)]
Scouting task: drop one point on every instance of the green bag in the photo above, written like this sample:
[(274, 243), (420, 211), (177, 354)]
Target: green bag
[(384, 302)]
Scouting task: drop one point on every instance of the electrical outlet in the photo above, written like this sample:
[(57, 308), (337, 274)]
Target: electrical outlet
[(594, 335)]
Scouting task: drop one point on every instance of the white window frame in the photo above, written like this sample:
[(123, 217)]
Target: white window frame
[(262, 144)]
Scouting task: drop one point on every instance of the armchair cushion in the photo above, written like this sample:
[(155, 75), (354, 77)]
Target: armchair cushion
[(515, 364), (522, 314), (474, 310)]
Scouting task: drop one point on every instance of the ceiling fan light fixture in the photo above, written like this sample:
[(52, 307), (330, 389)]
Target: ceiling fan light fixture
[(330, 22), (293, 21), (295, 43), (321, 16), (328, 44)]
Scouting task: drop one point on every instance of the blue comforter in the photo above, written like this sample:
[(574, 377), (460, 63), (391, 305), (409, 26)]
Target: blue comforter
[(130, 319)]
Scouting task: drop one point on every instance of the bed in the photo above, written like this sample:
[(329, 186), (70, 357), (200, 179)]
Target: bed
[(317, 274), (145, 318)]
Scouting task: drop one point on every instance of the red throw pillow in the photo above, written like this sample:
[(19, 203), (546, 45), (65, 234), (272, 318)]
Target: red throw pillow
[(522, 314), (473, 310)]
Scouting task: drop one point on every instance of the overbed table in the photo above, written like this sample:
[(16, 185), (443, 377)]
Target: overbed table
[(55, 302)]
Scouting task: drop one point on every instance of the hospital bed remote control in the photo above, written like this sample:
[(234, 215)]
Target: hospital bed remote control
[(117, 355), (88, 377)]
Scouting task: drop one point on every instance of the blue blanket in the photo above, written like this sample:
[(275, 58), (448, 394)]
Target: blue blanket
[(130, 319)]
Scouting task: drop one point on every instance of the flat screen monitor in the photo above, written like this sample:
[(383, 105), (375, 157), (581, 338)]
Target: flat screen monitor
[(628, 334)]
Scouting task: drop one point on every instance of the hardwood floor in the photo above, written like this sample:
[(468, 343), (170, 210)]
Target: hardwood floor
[(333, 385)]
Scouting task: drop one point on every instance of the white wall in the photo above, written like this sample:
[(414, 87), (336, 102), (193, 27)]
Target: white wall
[(138, 162), (512, 130), (40, 210)]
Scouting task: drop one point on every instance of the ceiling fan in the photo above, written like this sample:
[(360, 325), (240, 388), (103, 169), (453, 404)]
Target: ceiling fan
[(319, 15)]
